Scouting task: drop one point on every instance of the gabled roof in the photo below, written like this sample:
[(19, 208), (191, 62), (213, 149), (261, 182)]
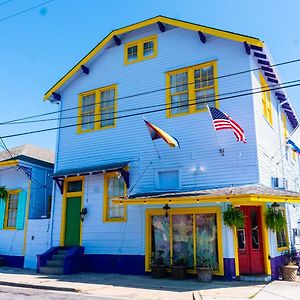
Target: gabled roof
[(165, 20), (28, 151)]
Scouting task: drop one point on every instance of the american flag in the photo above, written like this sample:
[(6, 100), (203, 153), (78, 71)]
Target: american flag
[(223, 121)]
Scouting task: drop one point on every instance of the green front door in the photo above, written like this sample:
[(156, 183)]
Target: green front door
[(72, 233)]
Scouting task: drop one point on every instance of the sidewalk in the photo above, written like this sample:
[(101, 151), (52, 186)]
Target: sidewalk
[(144, 287)]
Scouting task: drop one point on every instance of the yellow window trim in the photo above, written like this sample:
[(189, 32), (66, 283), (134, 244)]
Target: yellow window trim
[(67, 194), (106, 219), (191, 89), (174, 211), (10, 192), (266, 99), (97, 114), (140, 48)]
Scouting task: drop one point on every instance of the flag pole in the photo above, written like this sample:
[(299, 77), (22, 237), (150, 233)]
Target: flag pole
[(153, 142), (221, 150)]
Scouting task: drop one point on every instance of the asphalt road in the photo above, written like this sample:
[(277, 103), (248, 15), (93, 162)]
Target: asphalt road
[(14, 293)]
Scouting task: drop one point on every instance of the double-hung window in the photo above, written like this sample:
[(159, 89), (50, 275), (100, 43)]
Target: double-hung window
[(140, 50), (97, 109), (266, 99), (11, 210), (191, 89), (114, 187)]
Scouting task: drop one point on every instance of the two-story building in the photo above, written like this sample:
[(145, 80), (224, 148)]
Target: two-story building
[(123, 198), (26, 173)]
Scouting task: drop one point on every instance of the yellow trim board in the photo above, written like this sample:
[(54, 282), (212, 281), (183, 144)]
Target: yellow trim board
[(168, 21), (9, 163), (242, 199)]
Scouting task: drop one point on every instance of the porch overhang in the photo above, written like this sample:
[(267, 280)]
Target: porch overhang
[(121, 167), (238, 195)]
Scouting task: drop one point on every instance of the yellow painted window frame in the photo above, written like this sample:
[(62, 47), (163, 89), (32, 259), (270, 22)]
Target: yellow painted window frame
[(10, 192), (140, 49), (266, 99), (175, 211), (106, 217), (67, 194), (286, 132), (97, 115), (191, 88), (280, 249)]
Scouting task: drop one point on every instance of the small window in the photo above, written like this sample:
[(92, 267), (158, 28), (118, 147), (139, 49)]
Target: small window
[(11, 210), (282, 236), (191, 89), (97, 109), (114, 187), (141, 50), (266, 99), (168, 180), (74, 186)]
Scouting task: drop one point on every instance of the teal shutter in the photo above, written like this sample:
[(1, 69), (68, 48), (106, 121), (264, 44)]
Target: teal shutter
[(2, 212), (21, 210)]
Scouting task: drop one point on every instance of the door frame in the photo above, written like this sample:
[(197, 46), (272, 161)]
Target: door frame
[(64, 207), (265, 238)]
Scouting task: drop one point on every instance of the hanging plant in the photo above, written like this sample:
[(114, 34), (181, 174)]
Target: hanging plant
[(3, 192), (233, 217), (275, 220)]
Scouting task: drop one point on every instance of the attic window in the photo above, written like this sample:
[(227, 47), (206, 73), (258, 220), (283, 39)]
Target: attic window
[(139, 50)]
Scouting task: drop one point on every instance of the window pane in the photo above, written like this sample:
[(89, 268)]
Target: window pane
[(132, 53), (75, 186), (206, 237), (179, 103), (88, 112), (12, 210), (107, 108), (183, 242), (241, 239), (160, 233), (254, 229), (115, 190), (148, 48), (179, 82)]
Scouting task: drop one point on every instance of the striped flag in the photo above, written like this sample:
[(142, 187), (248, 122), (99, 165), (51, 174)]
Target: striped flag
[(223, 121), (157, 133)]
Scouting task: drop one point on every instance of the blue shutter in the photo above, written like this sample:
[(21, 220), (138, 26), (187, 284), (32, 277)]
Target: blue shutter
[(21, 210), (2, 212)]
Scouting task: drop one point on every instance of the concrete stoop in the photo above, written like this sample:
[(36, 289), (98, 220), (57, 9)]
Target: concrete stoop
[(55, 266), (255, 278)]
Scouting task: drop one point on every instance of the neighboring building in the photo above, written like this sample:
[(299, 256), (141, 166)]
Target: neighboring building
[(172, 68), (26, 172)]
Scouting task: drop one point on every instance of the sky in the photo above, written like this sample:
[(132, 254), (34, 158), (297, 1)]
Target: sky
[(39, 46)]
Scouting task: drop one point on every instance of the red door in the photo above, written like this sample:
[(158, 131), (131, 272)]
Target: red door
[(250, 244)]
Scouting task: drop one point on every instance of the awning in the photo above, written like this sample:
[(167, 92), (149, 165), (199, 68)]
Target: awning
[(247, 193), (59, 175)]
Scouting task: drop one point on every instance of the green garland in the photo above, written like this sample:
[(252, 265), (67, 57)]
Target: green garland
[(275, 220), (233, 217), (3, 192)]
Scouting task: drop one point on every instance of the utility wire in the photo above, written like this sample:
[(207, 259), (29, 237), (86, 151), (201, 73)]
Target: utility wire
[(149, 92), (148, 107), (147, 112), (24, 11)]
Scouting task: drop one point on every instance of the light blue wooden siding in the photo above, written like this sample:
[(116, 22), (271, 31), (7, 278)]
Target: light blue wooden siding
[(37, 241), (272, 158), (40, 191), (130, 140)]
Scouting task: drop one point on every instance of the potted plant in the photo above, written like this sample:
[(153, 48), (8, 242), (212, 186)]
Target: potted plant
[(233, 217), (275, 220), (178, 268), (290, 269), (157, 265), (3, 192), (204, 266)]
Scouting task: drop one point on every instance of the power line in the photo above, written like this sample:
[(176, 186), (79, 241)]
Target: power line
[(149, 92), (143, 113), (24, 11), (281, 85)]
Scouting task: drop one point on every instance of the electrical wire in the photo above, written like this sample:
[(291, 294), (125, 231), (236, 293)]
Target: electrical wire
[(147, 107), (24, 11), (145, 112), (152, 91)]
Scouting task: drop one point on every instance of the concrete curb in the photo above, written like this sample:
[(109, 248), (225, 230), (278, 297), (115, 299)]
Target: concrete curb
[(38, 287)]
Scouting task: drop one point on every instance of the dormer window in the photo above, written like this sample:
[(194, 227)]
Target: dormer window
[(139, 50)]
